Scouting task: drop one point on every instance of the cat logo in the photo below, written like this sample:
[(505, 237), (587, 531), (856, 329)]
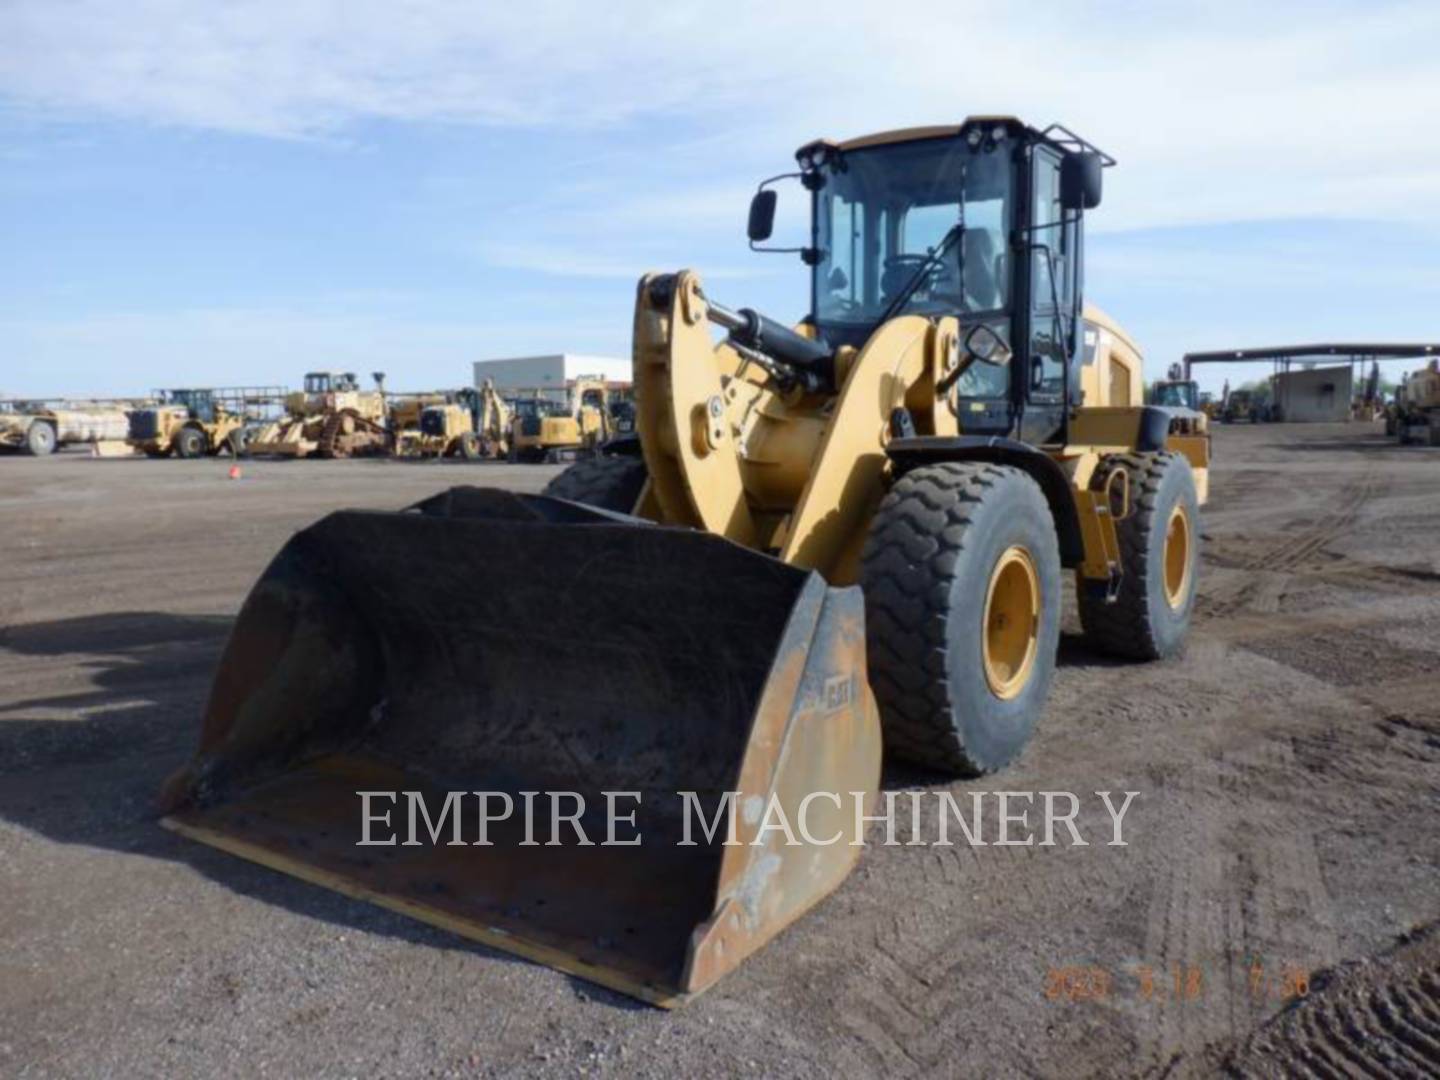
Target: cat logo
[(839, 692)]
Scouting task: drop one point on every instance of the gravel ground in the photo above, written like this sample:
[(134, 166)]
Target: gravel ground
[(1286, 833)]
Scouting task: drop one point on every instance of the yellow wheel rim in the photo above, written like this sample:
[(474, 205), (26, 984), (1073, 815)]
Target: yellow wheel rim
[(1177, 558), (1012, 623)]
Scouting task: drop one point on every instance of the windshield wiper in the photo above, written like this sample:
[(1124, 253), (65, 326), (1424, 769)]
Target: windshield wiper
[(931, 261)]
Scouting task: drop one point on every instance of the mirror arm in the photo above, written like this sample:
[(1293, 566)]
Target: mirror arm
[(810, 255)]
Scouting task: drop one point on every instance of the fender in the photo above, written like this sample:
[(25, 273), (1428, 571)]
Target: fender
[(913, 451)]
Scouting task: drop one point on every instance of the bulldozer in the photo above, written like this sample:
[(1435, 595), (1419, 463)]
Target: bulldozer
[(330, 418), (188, 423), (824, 542), (543, 431)]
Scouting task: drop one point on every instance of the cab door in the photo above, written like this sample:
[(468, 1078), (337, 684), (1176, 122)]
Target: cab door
[(1053, 277)]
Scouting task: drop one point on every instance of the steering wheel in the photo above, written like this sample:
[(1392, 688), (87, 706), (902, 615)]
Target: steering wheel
[(900, 269)]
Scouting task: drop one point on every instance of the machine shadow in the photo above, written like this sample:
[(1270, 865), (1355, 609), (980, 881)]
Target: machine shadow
[(1376, 443), (86, 767)]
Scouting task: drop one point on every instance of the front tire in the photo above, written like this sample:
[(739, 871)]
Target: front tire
[(1159, 560), (961, 575), (190, 443), (608, 483), (40, 439)]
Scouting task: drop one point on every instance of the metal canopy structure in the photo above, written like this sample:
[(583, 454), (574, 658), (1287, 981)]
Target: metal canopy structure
[(1284, 355)]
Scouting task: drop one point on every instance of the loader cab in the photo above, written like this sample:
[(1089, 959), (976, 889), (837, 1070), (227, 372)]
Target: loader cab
[(983, 222), (1176, 394), (200, 404), (325, 382)]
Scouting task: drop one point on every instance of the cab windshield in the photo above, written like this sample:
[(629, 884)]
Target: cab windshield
[(883, 210), (525, 408), (1173, 395)]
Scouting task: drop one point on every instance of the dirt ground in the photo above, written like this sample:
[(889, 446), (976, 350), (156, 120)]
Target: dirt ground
[(1286, 834)]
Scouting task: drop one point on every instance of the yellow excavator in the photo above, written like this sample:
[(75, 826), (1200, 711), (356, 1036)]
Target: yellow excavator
[(544, 430), (824, 540)]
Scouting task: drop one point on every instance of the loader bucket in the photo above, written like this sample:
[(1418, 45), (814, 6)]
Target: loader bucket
[(491, 645)]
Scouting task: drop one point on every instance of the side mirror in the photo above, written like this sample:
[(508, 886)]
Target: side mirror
[(985, 345), (762, 215), (1080, 180)]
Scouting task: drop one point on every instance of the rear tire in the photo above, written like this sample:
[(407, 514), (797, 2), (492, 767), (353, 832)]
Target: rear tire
[(470, 446), (40, 439), (1159, 557), (190, 443), (609, 483), (961, 575)]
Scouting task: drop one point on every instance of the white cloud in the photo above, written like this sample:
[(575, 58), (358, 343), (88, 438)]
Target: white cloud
[(1219, 112)]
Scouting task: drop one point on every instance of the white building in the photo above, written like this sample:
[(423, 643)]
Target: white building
[(549, 373), (1315, 394)]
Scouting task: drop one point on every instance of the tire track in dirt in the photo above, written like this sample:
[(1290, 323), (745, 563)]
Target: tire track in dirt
[(900, 1008), (1372, 1019), (1249, 904), (1290, 552)]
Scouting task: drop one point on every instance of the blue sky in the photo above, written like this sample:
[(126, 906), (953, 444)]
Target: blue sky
[(195, 194)]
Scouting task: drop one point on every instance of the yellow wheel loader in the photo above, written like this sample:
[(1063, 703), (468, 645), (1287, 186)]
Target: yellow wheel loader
[(188, 423), (1417, 407), (331, 418), (822, 539), (1176, 392)]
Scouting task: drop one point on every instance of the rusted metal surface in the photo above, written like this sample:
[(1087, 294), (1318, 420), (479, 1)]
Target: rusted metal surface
[(494, 643)]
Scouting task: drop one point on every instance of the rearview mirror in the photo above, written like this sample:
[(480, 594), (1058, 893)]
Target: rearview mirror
[(1080, 180), (762, 216), (985, 345)]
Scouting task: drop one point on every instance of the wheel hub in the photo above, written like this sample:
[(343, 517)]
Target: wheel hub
[(1012, 623), (1177, 558)]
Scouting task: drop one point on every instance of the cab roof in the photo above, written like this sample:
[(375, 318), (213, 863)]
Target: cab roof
[(1057, 134)]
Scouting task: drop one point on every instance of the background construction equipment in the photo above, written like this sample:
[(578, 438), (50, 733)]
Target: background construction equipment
[(331, 418), (41, 427), (542, 430), (194, 423)]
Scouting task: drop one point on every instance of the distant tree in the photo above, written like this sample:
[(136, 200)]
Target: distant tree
[(1259, 389)]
